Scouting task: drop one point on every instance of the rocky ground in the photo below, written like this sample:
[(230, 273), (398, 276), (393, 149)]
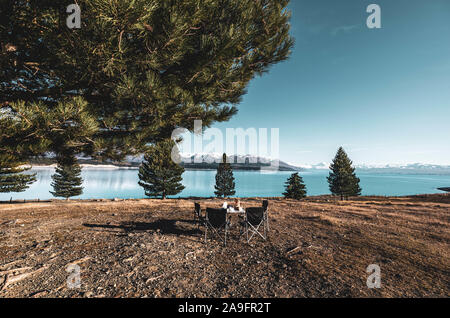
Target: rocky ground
[(151, 248)]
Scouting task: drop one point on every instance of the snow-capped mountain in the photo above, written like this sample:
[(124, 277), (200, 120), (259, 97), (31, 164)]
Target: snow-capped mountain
[(251, 162), (209, 158), (403, 166), (317, 166), (412, 168), (243, 162), (217, 157)]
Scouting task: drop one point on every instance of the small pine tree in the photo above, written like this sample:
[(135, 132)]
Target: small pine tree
[(159, 175), (12, 178), (295, 187), (67, 180), (224, 179), (342, 179)]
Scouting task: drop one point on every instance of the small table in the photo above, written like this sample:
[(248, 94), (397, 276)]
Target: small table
[(233, 211)]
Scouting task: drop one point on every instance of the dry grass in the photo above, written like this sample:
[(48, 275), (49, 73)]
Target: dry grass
[(316, 248)]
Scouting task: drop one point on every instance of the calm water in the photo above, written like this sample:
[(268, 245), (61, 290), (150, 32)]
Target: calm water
[(102, 183)]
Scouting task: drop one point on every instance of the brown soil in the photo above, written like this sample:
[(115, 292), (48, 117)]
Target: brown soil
[(151, 248)]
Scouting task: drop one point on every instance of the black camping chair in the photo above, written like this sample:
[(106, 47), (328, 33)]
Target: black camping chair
[(198, 217), (265, 205), (254, 218), (216, 220)]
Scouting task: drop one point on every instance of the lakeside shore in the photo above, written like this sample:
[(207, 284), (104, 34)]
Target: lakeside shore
[(89, 166), (441, 197)]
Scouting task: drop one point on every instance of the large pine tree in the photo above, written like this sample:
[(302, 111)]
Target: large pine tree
[(159, 175), (67, 180), (144, 67), (12, 178), (342, 179), (295, 187), (224, 179)]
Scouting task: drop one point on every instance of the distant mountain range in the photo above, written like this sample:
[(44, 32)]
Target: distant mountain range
[(189, 161), (412, 168), (238, 162), (248, 162)]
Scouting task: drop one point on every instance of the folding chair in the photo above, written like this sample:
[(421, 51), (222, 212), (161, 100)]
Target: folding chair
[(216, 220), (265, 205), (198, 214), (254, 218)]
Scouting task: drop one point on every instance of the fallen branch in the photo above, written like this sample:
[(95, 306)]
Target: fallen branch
[(15, 270), (79, 261), (14, 279), (151, 279), (4, 266), (294, 250)]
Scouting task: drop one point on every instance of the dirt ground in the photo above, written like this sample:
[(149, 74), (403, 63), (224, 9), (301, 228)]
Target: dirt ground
[(151, 248)]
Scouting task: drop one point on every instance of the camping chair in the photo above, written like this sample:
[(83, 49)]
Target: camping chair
[(216, 220), (198, 214), (265, 205), (254, 218)]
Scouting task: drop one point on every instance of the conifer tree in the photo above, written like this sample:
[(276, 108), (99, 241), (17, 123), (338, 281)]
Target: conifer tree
[(26, 131), (159, 175), (18, 141), (144, 67), (67, 180), (342, 179), (12, 178), (224, 179), (295, 187)]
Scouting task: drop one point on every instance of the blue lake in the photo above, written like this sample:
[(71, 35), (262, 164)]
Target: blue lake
[(103, 183)]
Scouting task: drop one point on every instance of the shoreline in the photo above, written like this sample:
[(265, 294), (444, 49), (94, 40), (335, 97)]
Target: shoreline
[(87, 166), (315, 198)]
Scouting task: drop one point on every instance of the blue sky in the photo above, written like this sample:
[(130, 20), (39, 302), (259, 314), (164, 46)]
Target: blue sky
[(383, 94)]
